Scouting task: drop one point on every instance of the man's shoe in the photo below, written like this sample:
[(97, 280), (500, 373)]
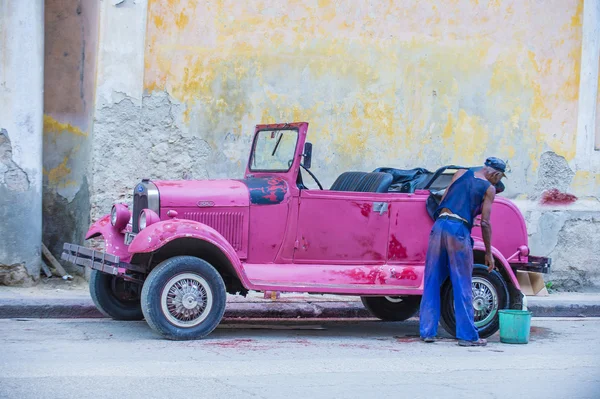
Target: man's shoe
[(479, 342), (428, 340)]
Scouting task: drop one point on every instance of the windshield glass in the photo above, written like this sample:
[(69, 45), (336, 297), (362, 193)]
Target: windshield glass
[(274, 150)]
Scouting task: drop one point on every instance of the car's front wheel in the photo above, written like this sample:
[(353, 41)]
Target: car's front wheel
[(392, 308), (490, 294), (115, 297), (183, 298)]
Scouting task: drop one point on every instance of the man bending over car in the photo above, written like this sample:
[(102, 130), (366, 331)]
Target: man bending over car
[(450, 250)]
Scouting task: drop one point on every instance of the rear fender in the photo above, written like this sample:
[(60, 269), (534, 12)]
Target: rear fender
[(157, 235), (113, 238), (479, 246)]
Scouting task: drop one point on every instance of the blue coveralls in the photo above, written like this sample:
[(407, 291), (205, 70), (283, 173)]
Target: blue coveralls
[(450, 252)]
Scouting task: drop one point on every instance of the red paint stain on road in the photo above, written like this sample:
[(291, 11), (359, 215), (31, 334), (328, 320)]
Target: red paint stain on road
[(234, 343), (556, 197), (360, 346), (407, 339)]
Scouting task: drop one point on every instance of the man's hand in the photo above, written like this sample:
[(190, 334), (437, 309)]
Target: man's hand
[(489, 262)]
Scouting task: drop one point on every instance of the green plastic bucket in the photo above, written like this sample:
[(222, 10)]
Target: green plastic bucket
[(514, 326)]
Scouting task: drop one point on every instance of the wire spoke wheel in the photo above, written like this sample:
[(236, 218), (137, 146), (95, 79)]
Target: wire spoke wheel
[(489, 295), (485, 301), (186, 300)]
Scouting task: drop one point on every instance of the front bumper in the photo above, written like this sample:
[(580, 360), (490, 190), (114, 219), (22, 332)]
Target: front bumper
[(101, 261)]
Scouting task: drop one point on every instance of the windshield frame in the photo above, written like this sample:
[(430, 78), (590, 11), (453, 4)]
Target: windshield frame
[(253, 149)]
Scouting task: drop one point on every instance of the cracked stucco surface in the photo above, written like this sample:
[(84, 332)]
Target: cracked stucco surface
[(14, 183), (554, 173), (133, 142), (11, 174)]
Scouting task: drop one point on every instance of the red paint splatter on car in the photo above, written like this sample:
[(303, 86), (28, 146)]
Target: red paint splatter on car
[(361, 276), (408, 273), (396, 249), (556, 197), (365, 209)]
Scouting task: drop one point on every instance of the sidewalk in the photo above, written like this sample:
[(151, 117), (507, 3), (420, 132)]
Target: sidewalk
[(72, 300)]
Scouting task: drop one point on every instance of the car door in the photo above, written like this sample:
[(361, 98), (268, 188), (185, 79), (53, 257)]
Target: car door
[(342, 228)]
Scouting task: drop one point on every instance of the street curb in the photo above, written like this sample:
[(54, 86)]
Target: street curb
[(276, 310)]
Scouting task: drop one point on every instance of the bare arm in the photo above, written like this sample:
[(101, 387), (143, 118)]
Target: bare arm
[(458, 174), (486, 226)]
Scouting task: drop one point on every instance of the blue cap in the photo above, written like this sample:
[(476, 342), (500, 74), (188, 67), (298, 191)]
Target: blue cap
[(496, 164)]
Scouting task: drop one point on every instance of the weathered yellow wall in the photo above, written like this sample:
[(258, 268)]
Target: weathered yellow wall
[(389, 83)]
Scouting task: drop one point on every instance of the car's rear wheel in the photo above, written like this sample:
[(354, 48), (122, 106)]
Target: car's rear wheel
[(490, 294), (115, 297), (388, 308), (183, 298)]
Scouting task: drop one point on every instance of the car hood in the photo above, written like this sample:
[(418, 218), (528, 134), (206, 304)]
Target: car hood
[(222, 193), (202, 193)]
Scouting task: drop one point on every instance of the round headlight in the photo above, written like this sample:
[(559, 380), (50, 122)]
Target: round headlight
[(142, 221), (119, 216), (147, 217), (113, 215)]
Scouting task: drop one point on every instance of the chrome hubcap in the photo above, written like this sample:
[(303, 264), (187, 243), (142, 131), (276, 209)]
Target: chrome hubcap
[(485, 301), (186, 300)]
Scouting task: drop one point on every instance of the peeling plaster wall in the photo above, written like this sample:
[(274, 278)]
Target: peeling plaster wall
[(118, 130), (396, 83), (21, 95), (71, 36)]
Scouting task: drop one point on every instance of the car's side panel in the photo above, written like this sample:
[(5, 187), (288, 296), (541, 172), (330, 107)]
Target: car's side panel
[(334, 228), (410, 226), (508, 227), (340, 279), (286, 251), (268, 226)]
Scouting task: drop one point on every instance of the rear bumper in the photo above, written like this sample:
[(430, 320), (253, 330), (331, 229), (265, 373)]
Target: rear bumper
[(538, 264), (101, 261)]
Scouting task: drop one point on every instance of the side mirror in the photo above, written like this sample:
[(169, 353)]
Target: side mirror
[(307, 155)]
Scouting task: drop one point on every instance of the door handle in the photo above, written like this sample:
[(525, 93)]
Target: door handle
[(380, 207)]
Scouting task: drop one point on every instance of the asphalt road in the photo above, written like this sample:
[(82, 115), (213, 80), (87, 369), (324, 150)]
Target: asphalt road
[(99, 358)]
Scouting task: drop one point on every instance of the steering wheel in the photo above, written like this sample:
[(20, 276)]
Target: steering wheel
[(313, 176)]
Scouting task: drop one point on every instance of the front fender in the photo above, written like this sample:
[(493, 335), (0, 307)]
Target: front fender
[(480, 246), (158, 234), (113, 238)]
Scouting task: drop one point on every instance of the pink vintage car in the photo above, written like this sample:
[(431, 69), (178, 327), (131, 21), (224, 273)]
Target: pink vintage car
[(173, 256)]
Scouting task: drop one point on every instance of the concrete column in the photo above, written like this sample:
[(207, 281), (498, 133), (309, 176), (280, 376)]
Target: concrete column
[(21, 113), (588, 158)]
